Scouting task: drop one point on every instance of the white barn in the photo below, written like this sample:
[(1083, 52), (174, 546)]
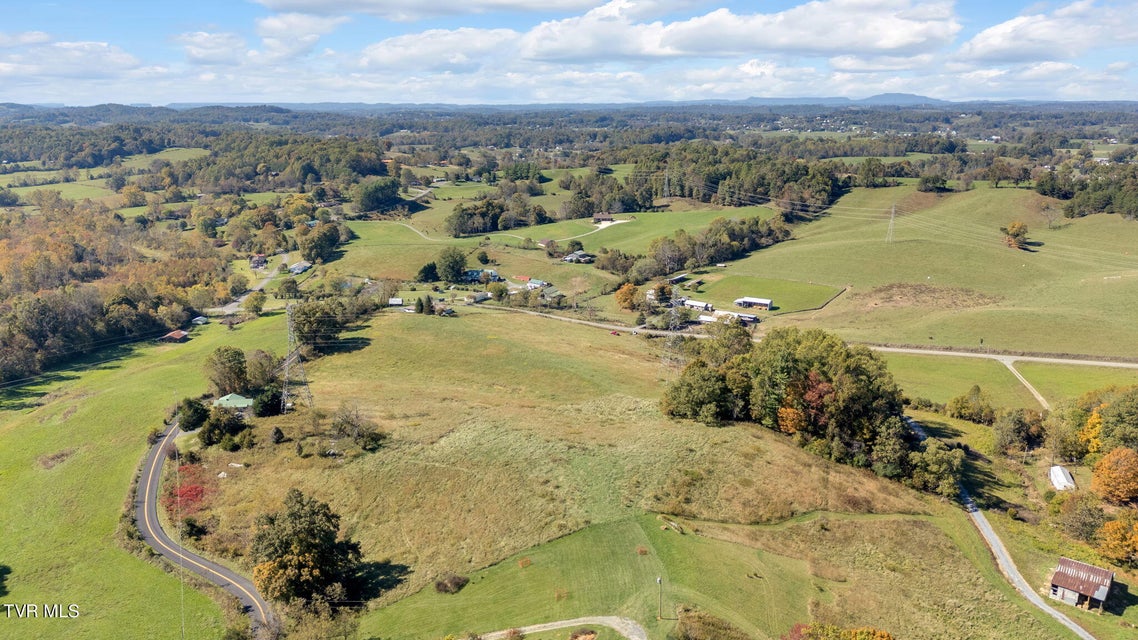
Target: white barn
[(748, 302), (1061, 479)]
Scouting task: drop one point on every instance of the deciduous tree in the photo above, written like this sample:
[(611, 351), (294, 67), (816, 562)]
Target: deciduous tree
[(298, 552), (226, 370), (1115, 477)]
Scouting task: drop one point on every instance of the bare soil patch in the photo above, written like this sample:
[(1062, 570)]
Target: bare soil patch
[(906, 294), (54, 459)]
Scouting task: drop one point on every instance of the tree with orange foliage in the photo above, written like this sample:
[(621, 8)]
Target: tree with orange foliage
[(626, 296), (790, 420), (1116, 476), (1118, 540), (1091, 433)]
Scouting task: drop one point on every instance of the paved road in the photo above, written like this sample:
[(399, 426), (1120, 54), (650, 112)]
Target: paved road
[(146, 515), (1007, 358), (624, 626), (1003, 558)]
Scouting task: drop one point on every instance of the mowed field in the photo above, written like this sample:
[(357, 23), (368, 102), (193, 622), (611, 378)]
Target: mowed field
[(69, 444)]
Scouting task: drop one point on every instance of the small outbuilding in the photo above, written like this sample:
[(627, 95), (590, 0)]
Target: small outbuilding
[(600, 217), (233, 401), (1081, 584), (200, 320), (176, 335), (748, 302), (1061, 479)]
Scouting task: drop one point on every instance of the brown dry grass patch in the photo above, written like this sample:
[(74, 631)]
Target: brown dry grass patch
[(905, 294), (55, 459)]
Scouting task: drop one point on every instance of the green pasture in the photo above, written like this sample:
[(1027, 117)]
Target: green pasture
[(172, 155), (962, 284), (611, 569), (787, 296), (1059, 382), (70, 441), (941, 378), (78, 190)]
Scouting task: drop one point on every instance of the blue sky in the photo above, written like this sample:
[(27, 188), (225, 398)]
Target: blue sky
[(530, 51)]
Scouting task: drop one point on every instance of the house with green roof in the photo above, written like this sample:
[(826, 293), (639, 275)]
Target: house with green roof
[(233, 401)]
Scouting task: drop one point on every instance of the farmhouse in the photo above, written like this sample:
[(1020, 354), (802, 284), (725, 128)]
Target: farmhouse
[(745, 318), (602, 217), (258, 261), (1081, 584), (748, 302), (478, 296), (579, 256), (233, 401), (176, 335), (1061, 479), (534, 283)]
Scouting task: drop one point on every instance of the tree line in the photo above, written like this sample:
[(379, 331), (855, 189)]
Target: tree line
[(835, 400)]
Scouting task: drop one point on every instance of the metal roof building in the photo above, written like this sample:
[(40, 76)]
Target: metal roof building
[(1079, 583)]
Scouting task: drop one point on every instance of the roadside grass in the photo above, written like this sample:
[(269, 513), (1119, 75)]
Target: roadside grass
[(787, 296), (69, 444), (1066, 382), (916, 577), (941, 378)]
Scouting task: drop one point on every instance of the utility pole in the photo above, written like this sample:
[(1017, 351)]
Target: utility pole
[(293, 356), (660, 581)]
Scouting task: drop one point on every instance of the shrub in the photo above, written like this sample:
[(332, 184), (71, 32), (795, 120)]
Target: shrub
[(451, 583), (582, 633)]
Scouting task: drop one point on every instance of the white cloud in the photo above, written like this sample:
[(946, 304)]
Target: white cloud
[(861, 64), (23, 38), (288, 35), (408, 10), (80, 60), (896, 27), (1066, 33), (206, 48), (440, 49)]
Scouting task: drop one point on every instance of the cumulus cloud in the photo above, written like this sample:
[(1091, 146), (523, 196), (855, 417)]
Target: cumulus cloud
[(22, 38), (206, 48), (1067, 32), (863, 64), (895, 27), (57, 60), (288, 35), (408, 10), (461, 49)]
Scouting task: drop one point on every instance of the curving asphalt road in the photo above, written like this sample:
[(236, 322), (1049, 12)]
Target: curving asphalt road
[(624, 626), (146, 516)]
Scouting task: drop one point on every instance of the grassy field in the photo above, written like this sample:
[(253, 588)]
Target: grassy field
[(919, 289), (1065, 382), (176, 154), (940, 379), (69, 445), (78, 190), (788, 296)]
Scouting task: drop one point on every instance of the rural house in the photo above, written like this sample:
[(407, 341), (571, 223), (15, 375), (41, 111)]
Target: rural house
[(698, 306), (1081, 584), (602, 217), (748, 302), (233, 401)]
